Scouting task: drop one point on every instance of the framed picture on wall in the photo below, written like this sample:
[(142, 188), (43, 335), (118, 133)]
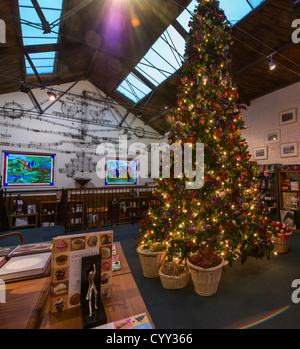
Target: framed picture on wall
[(273, 136), (289, 149), (260, 153), (288, 117)]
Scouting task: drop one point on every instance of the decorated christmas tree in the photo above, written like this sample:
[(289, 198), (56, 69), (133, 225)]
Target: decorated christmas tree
[(225, 214)]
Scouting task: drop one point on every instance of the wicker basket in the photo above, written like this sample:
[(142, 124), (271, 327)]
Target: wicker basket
[(281, 244), (206, 280), (174, 282), (151, 262)]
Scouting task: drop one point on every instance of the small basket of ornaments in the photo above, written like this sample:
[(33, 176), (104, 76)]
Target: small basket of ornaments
[(283, 237)]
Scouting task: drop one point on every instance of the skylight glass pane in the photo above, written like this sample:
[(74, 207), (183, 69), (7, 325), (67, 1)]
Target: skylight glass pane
[(41, 61), (41, 70), (33, 33), (185, 16), (256, 3), (235, 10), (164, 57), (133, 88)]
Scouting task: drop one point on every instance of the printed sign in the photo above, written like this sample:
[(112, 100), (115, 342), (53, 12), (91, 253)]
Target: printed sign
[(67, 252)]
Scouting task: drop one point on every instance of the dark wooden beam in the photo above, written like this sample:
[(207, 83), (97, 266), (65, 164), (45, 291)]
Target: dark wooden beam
[(16, 13), (17, 50), (180, 29), (45, 23), (33, 68), (264, 58), (35, 102)]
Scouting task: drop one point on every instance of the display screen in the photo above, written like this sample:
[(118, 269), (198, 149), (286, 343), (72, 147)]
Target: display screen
[(120, 172), (28, 169)]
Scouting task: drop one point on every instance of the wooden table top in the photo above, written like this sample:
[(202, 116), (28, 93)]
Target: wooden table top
[(24, 301), (27, 302)]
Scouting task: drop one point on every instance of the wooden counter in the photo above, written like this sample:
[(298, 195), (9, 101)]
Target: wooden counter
[(24, 303), (27, 302)]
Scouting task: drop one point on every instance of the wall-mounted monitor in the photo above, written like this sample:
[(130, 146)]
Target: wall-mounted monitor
[(27, 169), (120, 172)]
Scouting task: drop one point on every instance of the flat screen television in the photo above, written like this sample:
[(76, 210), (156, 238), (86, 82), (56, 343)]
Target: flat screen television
[(120, 172), (28, 169)]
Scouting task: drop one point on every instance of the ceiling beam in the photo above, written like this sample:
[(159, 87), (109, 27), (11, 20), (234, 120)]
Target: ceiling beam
[(264, 58), (45, 23), (16, 13), (180, 29), (33, 68), (17, 50), (59, 97)]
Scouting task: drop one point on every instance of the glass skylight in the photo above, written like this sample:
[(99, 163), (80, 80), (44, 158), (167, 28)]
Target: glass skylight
[(43, 62), (235, 10), (165, 56), (162, 60), (133, 88), (33, 34)]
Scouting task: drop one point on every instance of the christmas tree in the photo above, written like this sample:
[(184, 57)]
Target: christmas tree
[(225, 214)]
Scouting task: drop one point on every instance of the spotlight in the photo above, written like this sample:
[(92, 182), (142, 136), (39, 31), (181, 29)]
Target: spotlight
[(272, 65), (52, 95)]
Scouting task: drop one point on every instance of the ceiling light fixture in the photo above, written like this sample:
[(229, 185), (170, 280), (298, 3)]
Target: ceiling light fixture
[(52, 95), (272, 65)]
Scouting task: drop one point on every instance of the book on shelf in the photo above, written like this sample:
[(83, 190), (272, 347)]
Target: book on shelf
[(294, 185), (116, 264), (286, 185), (290, 201)]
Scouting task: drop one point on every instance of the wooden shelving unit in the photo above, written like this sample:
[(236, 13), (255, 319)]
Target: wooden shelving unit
[(96, 216), (32, 220), (48, 213), (80, 209), (268, 188), (131, 208), (75, 215), (289, 194)]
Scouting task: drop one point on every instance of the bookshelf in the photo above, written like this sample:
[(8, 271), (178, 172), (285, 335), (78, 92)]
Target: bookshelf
[(75, 215), (48, 213), (267, 176), (131, 208), (26, 220), (289, 193)]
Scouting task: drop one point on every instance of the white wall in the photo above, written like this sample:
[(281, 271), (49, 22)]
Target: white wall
[(262, 116), (57, 132)]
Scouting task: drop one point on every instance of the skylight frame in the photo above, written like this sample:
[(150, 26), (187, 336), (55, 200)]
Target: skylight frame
[(32, 33), (183, 19), (131, 88)]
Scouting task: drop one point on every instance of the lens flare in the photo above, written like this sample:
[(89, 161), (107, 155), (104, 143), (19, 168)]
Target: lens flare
[(272, 316)]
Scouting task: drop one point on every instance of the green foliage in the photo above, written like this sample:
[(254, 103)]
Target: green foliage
[(225, 214)]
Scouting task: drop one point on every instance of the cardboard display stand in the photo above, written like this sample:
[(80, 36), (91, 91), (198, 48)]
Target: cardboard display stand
[(67, 252)]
